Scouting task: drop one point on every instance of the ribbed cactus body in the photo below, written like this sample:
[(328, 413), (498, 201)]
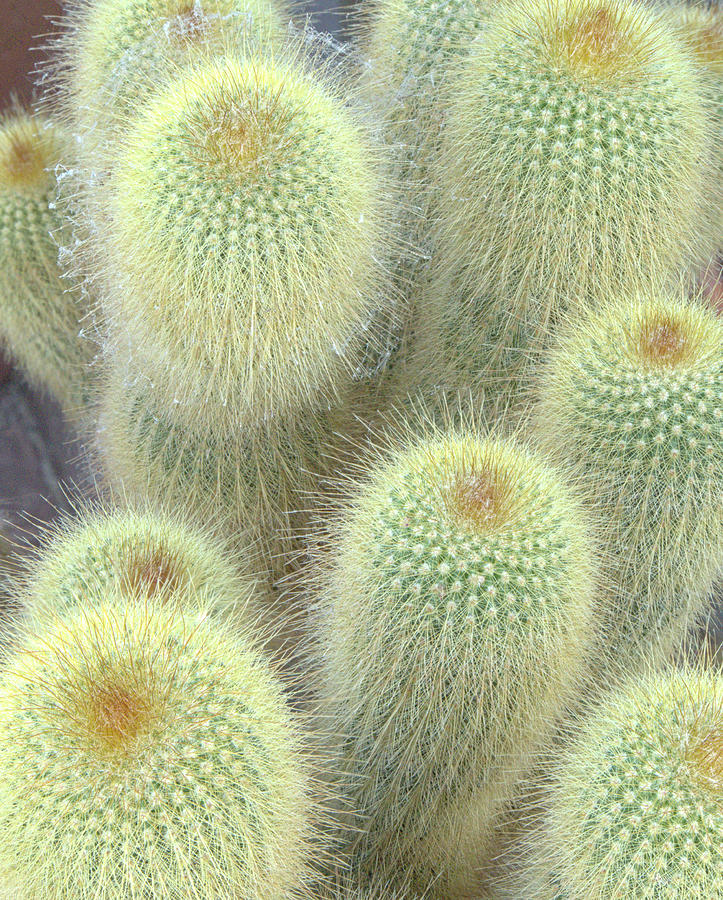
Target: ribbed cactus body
[(140, 552), (147, 753), (244, 241), (40, 312), (632, 409), (633, 804), (455, 615), (573, 166)]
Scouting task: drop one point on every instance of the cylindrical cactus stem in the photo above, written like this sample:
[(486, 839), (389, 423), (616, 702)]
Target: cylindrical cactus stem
[(633, 804), (244, 244), (631, 409), (142, 552), (40, 312), (573, 167), (455, 612), (253, 487), (411, 46), (700, 27), (148, 752)]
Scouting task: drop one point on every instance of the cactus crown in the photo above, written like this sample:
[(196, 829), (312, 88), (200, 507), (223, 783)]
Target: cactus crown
[(143, 553), (27, 151), (644, 374), (597, 41), (463, 520), (160, 748)]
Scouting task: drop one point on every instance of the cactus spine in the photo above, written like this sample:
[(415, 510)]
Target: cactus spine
[(40, 313), (455, 613), (631, 406), (634, 802), (148, 753), (573, 167)]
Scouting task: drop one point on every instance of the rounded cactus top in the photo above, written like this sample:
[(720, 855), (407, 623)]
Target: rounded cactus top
[(102, 32), (30, 147), (246, 235), (638, 387), (636, 802), (147, 752), (470, 530), (140, 552), (575, 118)]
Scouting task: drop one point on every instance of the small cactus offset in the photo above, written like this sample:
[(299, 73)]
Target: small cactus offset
[(148, 753), (454, 618), (40, 313), (140, 552), (634, 802), (573, 166), (631, 408)]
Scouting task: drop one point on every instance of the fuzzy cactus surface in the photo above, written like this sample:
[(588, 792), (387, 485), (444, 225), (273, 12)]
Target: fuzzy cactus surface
[(140, 552), (633, 804), (573, 166), (631, 408), (454, 618), (148, 753)]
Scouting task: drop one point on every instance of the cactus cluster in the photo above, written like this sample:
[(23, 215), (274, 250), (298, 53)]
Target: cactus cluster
[(573, 166), (404, 410)]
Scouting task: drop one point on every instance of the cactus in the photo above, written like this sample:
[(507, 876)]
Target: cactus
[(633, 803), (148, 753), (245, 232), (573, 167), (139, 551), (411, 47), (455, 613), (252, 486), (40, 314), (631, 407)]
